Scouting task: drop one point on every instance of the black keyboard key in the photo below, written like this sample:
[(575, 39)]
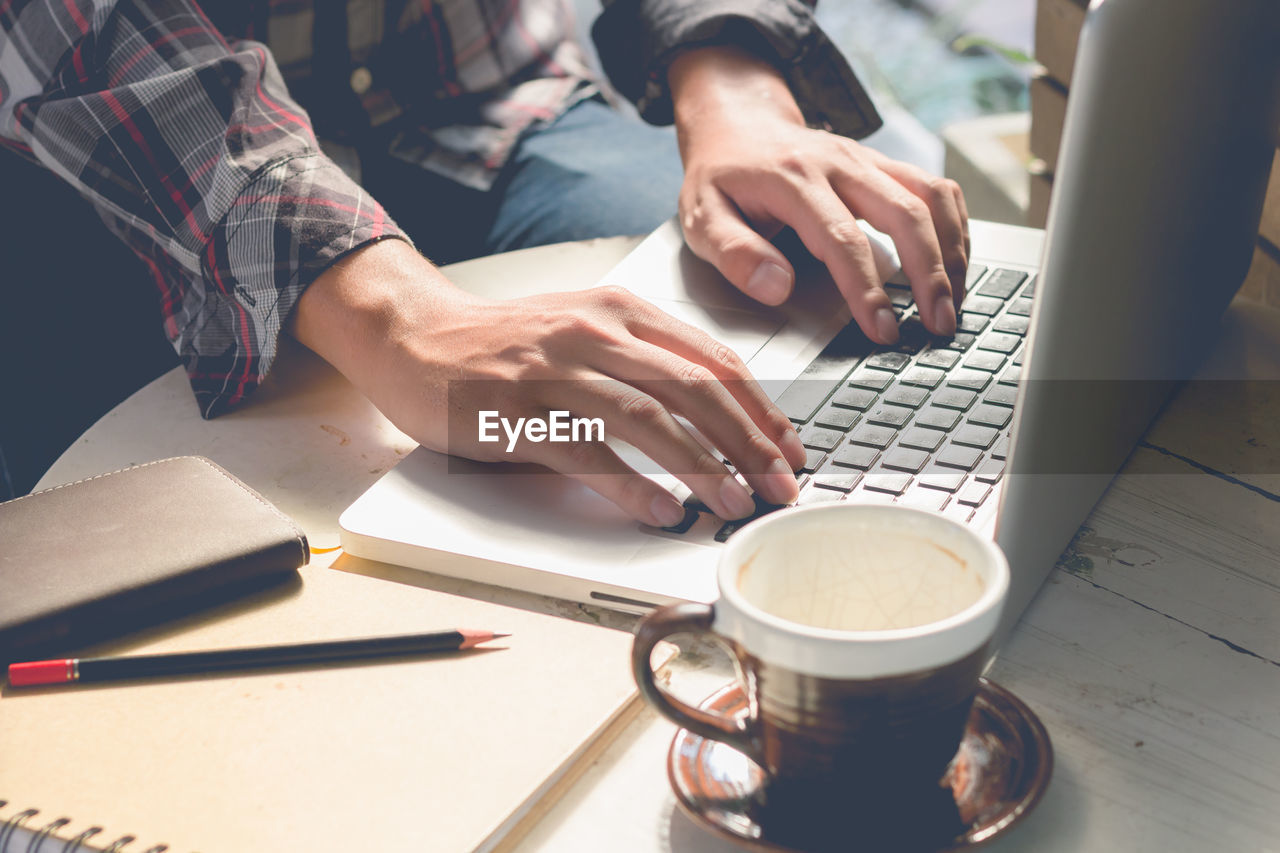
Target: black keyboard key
[(817, 438), (990, 471), (943, 481), (936, 418), (971, 322), (683, 525), (956, 456), (959, 399), (1020, 307), (1001, 450), (899, 297), (877, 380), (975, 272), (1012, 324), (833, 417), (862, 496), (926, 377), (889, 483), (1002, 283), (975, 436), (854, 456), (763, 507), (803, 397), (912, 336), (894, 361), (854, 398), (971, 380), (906, 395), (693, 502), (922, 439), (1002, 395), (961, 342), (814, 495), (982, 305), (840, 480), (729, 528), (999, 342), (918, 498), (824, 374), (1012, 375), (945, 359), (812, 460), (984, 360), (974, 493), (903, 459), (890, 416), (873, 436), (993, 416)]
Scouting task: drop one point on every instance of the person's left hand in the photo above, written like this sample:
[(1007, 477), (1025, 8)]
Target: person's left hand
[(752, 166)]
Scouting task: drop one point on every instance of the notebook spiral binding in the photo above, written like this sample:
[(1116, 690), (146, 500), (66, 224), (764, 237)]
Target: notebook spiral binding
[(15, 823)]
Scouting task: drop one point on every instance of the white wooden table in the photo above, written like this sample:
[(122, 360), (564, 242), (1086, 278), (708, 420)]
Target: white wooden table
[(1152, 654)]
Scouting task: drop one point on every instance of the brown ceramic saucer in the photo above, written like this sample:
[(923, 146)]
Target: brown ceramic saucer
[(997, 777)]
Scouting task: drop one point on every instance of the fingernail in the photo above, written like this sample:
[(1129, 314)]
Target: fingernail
[(770, 283), (944, 318), (736, 500), (886, 326), (666, 510), (780, 483), (792, 447)]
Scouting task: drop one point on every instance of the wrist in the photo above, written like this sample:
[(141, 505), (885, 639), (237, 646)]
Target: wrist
[(376, 296), (725, 82)]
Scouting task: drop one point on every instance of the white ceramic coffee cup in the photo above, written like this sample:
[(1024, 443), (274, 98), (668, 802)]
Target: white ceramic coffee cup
[(935, 592)]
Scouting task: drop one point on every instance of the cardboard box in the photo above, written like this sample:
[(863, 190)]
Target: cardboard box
[(1270, 226), (1041, 185), (1262, 282), (1048, 113), (1057, 35)]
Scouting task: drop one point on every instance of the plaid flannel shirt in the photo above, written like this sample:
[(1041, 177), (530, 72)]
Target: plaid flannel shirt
[(193, 148)]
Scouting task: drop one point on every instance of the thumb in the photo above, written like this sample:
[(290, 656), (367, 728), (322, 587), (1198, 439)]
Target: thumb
[(718, 234)]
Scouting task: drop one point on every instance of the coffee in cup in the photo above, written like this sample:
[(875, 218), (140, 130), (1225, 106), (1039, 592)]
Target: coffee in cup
[(859, 633)]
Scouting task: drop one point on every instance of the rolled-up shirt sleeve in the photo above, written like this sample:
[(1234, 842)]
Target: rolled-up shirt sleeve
[(192, 152), (638, 39)]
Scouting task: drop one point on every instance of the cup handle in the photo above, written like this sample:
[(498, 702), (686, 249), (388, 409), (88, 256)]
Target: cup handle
[(737, 731)]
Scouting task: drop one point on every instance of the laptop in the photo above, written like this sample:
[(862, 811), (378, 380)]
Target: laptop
[(1069, 342)]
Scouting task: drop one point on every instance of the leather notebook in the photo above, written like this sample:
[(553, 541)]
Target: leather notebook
[(100, 557)]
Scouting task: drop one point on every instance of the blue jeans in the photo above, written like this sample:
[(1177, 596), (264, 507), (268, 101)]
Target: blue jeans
[(64, 362), (592, 173)]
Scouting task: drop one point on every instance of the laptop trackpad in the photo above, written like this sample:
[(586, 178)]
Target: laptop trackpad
[(743, 332)]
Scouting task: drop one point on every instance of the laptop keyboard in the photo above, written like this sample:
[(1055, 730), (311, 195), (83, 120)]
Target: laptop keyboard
[(922, 423)]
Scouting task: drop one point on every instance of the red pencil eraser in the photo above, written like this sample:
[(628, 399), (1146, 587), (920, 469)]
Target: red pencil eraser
[(42, 672)]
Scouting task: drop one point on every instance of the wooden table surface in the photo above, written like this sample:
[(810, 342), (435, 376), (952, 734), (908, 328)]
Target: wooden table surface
[(1152, 654)]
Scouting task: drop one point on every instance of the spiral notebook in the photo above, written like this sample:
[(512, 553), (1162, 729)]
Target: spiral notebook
[(445, 753)]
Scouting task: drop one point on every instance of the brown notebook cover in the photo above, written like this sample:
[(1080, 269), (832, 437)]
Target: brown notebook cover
[(99, 557)]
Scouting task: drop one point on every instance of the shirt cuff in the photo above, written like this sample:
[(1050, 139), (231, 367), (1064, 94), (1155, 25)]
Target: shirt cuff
[(293, 220), (638, 39)]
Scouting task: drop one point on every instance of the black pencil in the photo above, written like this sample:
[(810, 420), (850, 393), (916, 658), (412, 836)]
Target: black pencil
[(68, 670)]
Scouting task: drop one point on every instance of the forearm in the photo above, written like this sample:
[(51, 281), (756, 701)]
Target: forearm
[(708, 82), (639, 39), (195, 155)]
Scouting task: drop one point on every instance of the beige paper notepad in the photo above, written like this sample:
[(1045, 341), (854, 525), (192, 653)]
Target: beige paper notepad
[(441, 754)]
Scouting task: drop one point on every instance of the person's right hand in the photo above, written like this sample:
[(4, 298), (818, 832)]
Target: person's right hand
[(431, 357)]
